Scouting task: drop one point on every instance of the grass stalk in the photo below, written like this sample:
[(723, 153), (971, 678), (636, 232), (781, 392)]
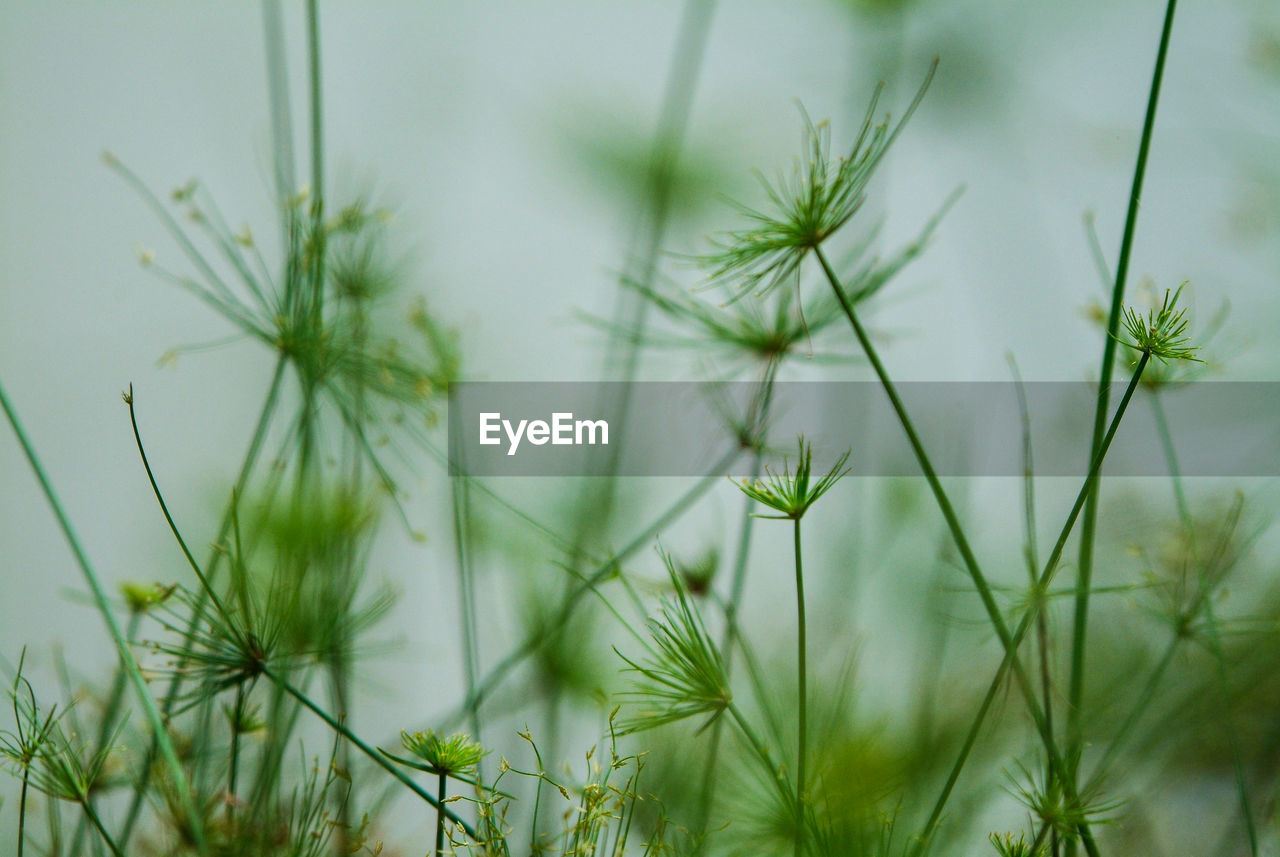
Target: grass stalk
[(159, 732), (1084, 578), (233, 767), (460, 494), (979, 579), (801, 693), (441, 795), (22, 809), (92, 814), (1033, 567), (256, 441), (1010, 658), (317, 250)]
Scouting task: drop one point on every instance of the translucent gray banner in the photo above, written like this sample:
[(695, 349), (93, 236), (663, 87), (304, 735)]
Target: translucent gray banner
[(969, 429)]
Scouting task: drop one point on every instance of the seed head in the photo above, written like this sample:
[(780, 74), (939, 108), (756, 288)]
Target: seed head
[(793, 495), (456, 754), (1162, 333)]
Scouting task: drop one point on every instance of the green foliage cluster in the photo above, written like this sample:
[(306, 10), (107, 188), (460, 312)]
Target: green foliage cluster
[(235, 667)]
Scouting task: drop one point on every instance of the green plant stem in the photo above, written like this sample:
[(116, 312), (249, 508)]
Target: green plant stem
[(801, 693), (92, 815), (1008, 641), (233, 770), (957, 532), (1024, 624), (317, 250), (460, 491), (1084, 578), (677, 105), (378, 758), (762, 753), (1033, 566), (130, 665), (281, 115), (441, 794), (22, 809), (211, 566)]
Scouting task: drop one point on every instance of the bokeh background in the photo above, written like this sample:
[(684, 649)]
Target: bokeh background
[(509, 141)]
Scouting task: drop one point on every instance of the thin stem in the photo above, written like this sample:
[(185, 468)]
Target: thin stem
[(801, 693), (22, 808), (378, 758), (957, 532), (757, 746), (210, 566), (156, 721), (234, 767), (441, 794), (281, 116), (1033, 565), (1084, 578), (317, 249), (92, 815), (1010, 659), (460, 489)]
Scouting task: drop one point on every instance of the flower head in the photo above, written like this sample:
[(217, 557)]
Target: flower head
[(792, 495), (456, 754), (1162, 333), (808, 206)]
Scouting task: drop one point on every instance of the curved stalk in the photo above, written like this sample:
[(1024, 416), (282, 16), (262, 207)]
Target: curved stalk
[(92, 815), (1084, 578), (801, 694), (1046, 575), (202, 599), (159, 731), (983, 587)]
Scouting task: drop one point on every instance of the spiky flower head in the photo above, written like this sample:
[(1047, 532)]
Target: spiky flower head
[(43, 754), (456, 754), (1007, 846), (683, 675), (1162, 332), (808, 206), (792, 495)]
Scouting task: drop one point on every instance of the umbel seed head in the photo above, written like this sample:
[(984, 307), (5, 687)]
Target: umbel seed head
[(792, 495), (1162, 333)]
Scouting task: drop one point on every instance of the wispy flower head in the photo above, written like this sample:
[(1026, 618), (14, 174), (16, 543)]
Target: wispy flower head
[(808, 206), (792, 495), (41, 752), (683, 674), (1162, 333), (1007, 846), (456, 754)]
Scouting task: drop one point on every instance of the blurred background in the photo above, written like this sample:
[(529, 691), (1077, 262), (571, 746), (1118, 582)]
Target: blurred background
[(510, 145)]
